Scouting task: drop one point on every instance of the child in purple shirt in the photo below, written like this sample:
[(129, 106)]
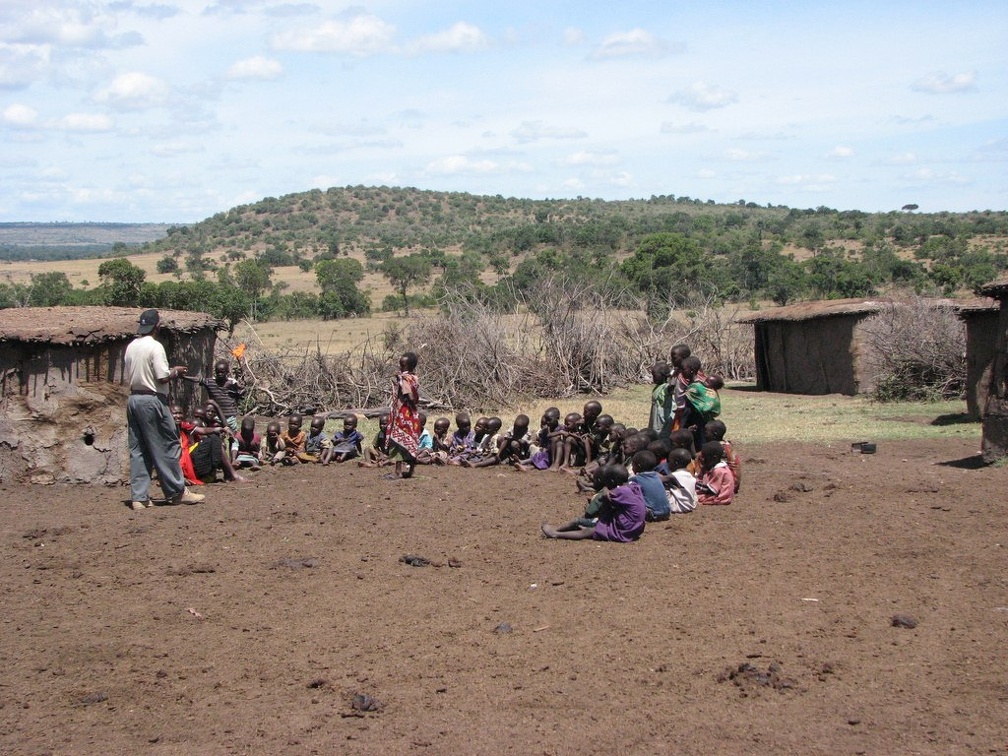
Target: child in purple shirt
[(622, 520)]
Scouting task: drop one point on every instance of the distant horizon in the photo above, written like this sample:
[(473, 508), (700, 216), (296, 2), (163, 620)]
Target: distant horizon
[(186, 108)]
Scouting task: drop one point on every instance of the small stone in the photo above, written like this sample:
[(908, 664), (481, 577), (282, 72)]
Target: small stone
[(503, 628), (904, 620)]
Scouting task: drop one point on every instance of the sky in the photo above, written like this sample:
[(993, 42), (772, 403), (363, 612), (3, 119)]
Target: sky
[(173, 110)]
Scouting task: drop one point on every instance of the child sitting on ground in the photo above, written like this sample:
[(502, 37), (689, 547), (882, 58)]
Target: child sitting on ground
[(716, 431), (715, 484), (375, 455), (680, 485), (186, 442), (540, 457), (247, 446), (294, 440), (621, 520), (317, 446), (346, 444), (464, 439), (644, 463), (272, 450), (564, 440), (512, 446), (440, 440), (209, 441)]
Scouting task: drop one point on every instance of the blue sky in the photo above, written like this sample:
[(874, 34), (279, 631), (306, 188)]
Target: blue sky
[(171, 111)]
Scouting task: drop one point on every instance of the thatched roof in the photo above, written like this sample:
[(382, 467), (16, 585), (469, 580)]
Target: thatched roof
[(89, 325), (836, 307), (998, 288)]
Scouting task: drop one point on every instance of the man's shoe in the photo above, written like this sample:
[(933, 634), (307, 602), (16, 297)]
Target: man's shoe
[(136, 506), (188, 497)]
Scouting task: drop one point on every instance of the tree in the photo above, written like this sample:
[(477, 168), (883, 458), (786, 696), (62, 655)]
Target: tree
[(404, 272), (254, 278), (48, 290), (167, 264), (121, 281)]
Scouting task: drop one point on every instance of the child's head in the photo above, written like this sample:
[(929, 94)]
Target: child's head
[(614, 476), (644, 461), (551, 417), (651, 433), (591, 412), (712, 453), (493, 425), (603, 424), (463, 422), (422, 417), (480, 426), (272, 429), (660, 372), (677, 354), (408, 362), (616, 432), (682, 439), (383, 419), (679, 459), (317, 424), (176, 412), (715, 382), (521, 425), (350, 423), (660, 448), (221, 370), (572, 421), (715, 430), (690, 367), (210, 412), (635, 443), (248, 427), (294, 423), (441, 426)]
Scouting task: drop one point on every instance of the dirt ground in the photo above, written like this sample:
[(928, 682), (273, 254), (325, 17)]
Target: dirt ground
[(249, 624)]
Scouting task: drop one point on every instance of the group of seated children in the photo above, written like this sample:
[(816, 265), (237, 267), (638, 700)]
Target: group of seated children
[(632, 476)]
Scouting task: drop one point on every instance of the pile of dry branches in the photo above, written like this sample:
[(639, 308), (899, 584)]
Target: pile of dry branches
[(565, 340), (917, 349)]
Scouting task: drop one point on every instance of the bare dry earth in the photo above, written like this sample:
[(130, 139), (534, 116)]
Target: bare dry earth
[(248, 624)]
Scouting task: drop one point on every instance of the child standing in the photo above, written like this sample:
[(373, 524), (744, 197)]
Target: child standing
[(225, 391), (404, 417)]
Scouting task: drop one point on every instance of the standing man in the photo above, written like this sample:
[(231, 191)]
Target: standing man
[(153, 437)]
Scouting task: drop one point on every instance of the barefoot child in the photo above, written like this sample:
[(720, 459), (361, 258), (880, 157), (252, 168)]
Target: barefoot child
[(317, 446), (715, 484), (247, 445), (680, 485), (346, 444), (272, 450), (293, 440), (651, 486)]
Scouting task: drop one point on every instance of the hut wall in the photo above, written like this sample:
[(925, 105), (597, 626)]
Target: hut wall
[(53, 393), (995, 412), (981, 336), (808, 356)]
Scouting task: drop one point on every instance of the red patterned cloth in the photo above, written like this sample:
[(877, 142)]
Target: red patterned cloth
[(404, 416)]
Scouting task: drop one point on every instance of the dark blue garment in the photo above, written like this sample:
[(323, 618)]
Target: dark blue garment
[(654, 494)]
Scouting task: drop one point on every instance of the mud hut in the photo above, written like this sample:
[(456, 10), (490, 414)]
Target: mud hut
[(981, 319), (62, 403), (812, 347), (994, 415)]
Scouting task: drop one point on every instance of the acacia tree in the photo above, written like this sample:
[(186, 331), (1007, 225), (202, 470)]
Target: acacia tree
[(121, 281), (404, 272)]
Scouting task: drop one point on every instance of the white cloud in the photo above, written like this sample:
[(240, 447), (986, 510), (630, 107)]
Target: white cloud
[(706, 173), (739, 155), (134, 91), (461, 37), (623, 178), (83, 122), (257, 67), (701, 97), (942, 83), (455, 164), (573, 36), (177, 147), (21, 64), (904, 158), (359, 34), (573, 184), (808, 181), (668, 127), (841, 151), (633, 43), (591, 157), (534, 131), (20, 116), (930, 176)]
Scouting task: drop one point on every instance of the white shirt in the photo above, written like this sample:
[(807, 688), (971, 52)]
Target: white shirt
[(146, 362)]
